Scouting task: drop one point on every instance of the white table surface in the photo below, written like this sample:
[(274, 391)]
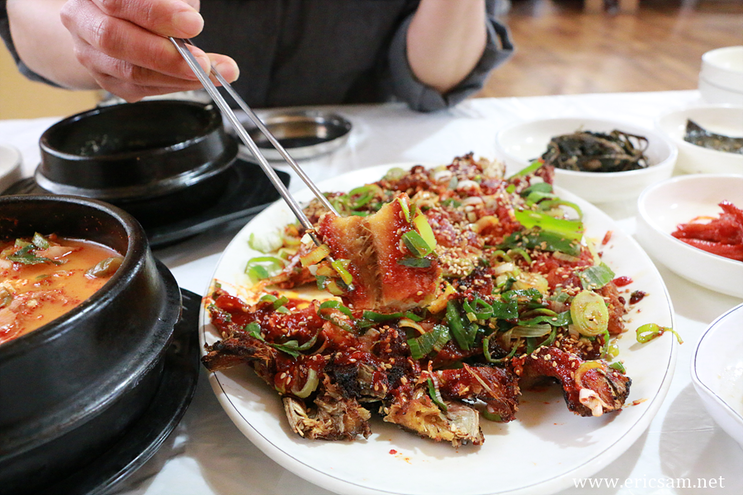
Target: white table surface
[(207, 454)]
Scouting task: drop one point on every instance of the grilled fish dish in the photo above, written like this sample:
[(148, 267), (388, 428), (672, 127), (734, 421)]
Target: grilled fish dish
[(448, 291)]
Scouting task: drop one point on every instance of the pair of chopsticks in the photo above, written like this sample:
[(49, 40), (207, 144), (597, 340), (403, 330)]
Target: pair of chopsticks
[(216, 96)]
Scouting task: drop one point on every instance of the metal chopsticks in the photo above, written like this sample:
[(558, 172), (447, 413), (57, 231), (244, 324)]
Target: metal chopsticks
[(210, 88)]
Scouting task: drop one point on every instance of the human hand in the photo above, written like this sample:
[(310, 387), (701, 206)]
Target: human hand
[(124, 45)]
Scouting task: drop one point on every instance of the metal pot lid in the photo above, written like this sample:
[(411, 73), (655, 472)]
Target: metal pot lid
[(304, 134)]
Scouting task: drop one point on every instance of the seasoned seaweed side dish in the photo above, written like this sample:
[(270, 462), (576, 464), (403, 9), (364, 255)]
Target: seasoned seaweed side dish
[(448, 291), (587, 151), (699, 136)]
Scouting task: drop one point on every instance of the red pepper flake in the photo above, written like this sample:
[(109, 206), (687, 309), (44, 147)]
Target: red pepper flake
[(622, 281), (637, 296), (607, 238), (393, 452)]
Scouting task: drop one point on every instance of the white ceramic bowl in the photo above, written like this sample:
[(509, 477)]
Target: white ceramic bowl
[(714, 94), (717, 371), (720, 119), (662, 207), (520, 143), (723, 67), (10, 166)]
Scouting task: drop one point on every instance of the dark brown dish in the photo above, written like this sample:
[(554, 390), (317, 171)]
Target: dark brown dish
[(72, 387), (159, 160)]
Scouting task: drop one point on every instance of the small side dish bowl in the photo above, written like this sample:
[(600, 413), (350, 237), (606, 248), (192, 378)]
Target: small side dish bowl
[(304, 134), (71, 387), (717, 95), (160, 160), (520, 143), (723, 67), (717, 371), (662, 207), (726, 120)]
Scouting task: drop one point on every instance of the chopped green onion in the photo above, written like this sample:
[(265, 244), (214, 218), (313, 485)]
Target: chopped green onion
[(395, 173), (405, 207), (433, 392), (380, 317), (334, 305), (589, 313), (424, 229), (5, 297), (491, 416), (505, 310), (278, 303), (290, 347), (313, 380), (26, 256), (362, 195), (552, 203), (650, 331), (263, 267), (481, 309), (605, 347), (40, 241), (315, 256), (521, 252), (595, 277), (618, 366), (539, 187), (557, 320), (105, 268), (539, 330), (254, 329), (416, 244), (414, 262), (341, 267), (488, 356), (293, 348), (543, 240), (266, 243), (456, 325), (424, 344)]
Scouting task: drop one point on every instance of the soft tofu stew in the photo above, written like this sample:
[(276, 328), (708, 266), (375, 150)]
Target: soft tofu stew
[(44, 277)]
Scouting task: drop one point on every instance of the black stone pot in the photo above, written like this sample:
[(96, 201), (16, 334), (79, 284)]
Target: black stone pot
[(72, 387), (160, 160)]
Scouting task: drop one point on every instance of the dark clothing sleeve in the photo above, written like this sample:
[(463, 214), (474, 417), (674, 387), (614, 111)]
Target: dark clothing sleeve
[(425, 98), (5, 35), (299, 52)]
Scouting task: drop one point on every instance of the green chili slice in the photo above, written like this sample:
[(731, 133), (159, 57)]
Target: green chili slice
[(533, 167), (569, 229), (649, 331)]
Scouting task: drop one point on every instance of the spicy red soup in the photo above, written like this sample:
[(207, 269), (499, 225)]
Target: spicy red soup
[(43, 277)]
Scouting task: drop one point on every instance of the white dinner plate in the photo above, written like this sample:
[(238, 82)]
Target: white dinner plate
[(543, 451), (717, 371)]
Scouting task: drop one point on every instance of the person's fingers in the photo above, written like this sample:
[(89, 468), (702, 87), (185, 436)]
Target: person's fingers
[(123, 40), (177, 18), (225, 66), (102, 64)]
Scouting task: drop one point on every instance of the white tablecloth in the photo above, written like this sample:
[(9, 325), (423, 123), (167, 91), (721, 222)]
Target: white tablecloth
[(207, 454)]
